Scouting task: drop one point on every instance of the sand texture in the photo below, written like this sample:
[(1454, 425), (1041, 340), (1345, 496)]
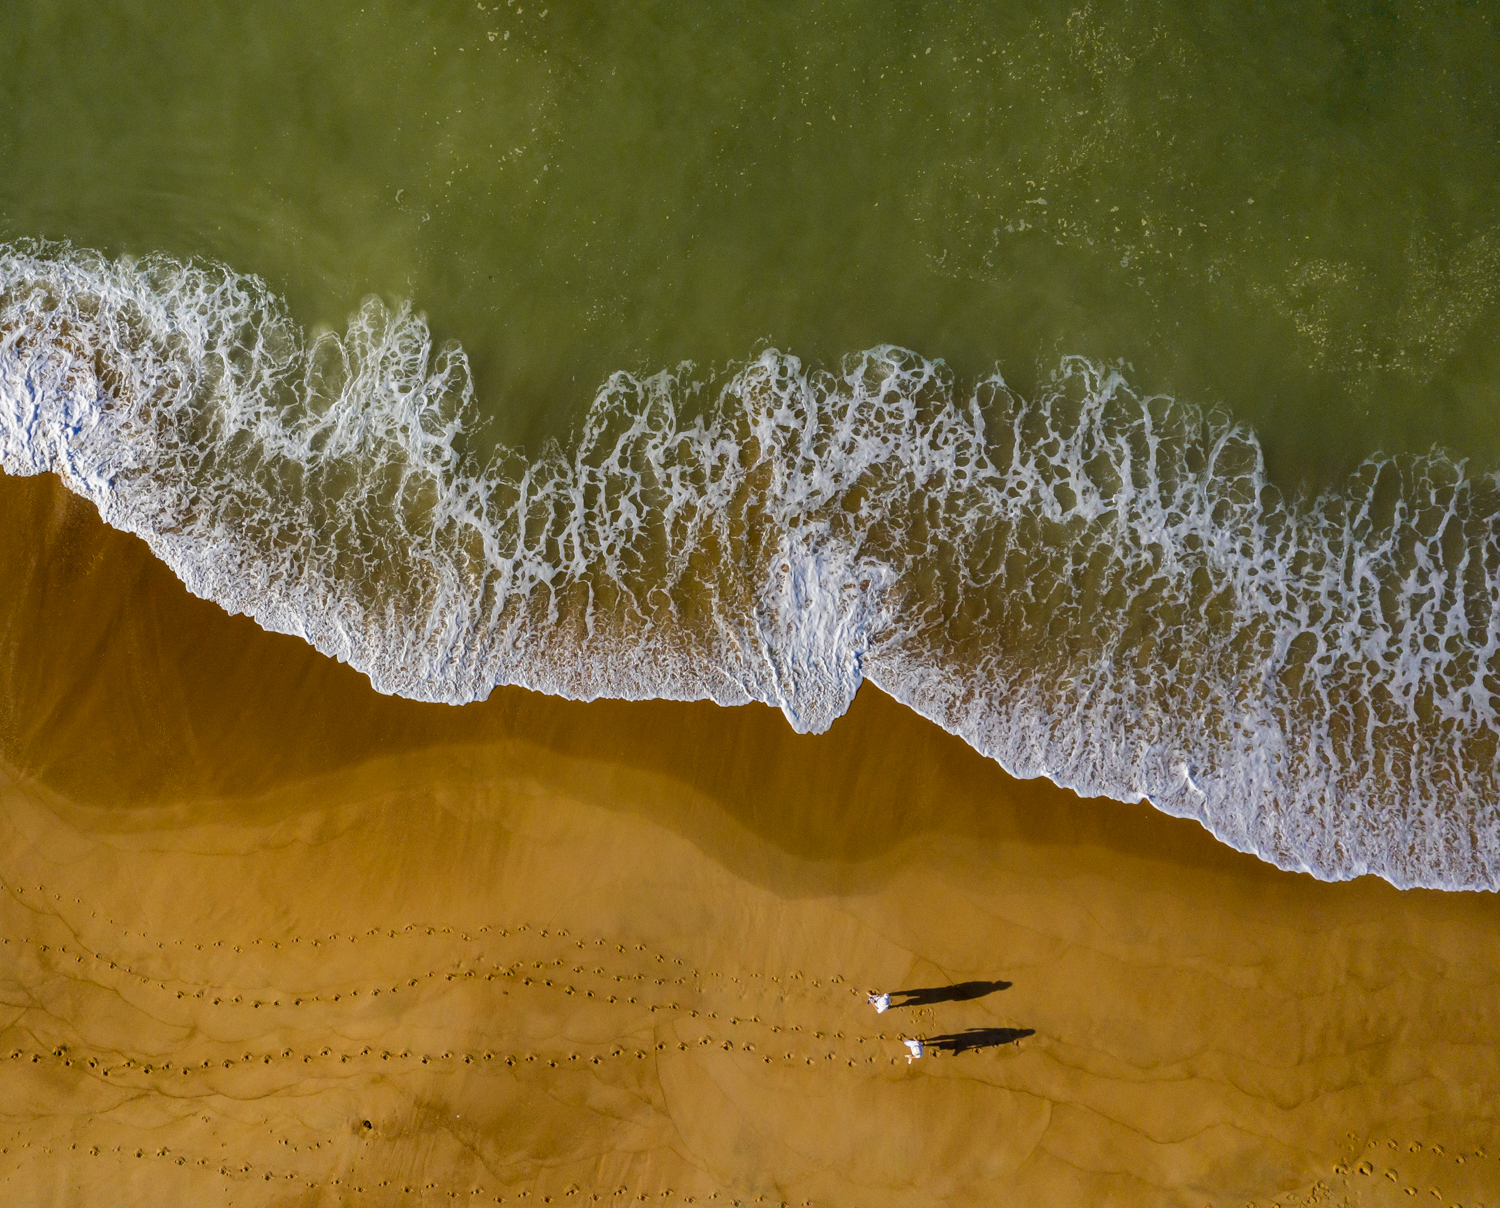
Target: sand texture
[(267, 938)]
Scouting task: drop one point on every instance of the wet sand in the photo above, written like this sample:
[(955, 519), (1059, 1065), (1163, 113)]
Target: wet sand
[(270, 938)]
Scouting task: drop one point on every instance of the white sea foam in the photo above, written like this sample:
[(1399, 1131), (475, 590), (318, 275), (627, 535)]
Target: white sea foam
[(1093, 586)]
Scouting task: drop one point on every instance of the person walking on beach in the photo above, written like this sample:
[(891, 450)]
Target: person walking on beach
[(881, 1003), (916, 1050)]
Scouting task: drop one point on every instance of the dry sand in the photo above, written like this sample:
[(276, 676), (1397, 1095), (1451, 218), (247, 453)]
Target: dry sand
[(272, 939)]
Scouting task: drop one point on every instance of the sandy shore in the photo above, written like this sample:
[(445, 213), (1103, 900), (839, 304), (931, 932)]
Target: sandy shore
[(272, 939)]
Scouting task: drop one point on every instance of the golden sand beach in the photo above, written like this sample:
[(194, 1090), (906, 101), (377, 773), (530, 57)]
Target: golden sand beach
[(268, 938)]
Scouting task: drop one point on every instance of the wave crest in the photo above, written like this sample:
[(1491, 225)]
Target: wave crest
[(1092, 585)]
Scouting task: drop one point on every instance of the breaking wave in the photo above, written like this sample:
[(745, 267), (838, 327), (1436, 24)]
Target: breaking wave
[(1091, 585)]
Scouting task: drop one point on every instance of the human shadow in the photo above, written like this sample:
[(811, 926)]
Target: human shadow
[(962, 992), (976, 1038)]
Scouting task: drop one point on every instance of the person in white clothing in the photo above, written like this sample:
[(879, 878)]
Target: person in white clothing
[(881, 1003), (916, 1050)]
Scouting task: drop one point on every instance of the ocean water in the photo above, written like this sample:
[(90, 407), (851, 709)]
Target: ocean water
[(1113, 386)]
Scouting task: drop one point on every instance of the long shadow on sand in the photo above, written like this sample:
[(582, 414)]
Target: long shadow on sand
[(962, 992), (976, 1038)]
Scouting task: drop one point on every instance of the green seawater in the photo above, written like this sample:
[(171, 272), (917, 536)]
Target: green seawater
[(1287, 210), (1283, 217)]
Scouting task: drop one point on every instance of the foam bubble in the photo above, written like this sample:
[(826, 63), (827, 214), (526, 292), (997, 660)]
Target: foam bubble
[(1091, 585)]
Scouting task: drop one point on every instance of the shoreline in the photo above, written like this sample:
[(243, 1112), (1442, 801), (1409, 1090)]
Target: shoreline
[(203, 801), (1171, 626)]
